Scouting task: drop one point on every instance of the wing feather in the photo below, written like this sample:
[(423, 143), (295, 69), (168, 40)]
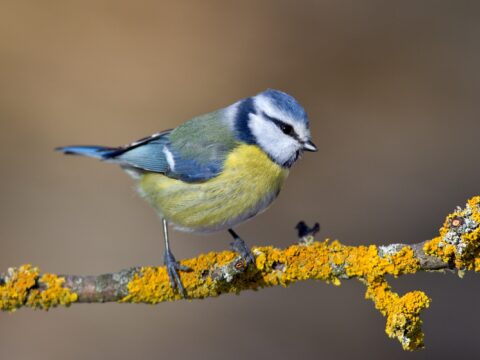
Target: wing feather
[(193, 152)]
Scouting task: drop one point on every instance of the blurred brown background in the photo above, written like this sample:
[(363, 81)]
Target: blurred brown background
[(392, 90)]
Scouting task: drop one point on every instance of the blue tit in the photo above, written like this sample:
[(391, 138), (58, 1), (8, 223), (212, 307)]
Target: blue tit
[(216, 170)]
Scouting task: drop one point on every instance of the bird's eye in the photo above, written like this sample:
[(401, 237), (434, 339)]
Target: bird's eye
[(287, 129)]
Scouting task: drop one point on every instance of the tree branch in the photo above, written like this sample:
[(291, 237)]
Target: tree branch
[(456, 248)]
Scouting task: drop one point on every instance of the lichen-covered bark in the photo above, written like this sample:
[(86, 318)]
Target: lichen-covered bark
[(213, 274)]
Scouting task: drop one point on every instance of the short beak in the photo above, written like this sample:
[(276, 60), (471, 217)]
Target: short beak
[(309, 146)]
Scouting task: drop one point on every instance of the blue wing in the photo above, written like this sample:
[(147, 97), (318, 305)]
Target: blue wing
[(148, 154), (193, 152)]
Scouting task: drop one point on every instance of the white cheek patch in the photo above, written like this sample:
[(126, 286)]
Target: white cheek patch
[(272, 140), (169, 157)]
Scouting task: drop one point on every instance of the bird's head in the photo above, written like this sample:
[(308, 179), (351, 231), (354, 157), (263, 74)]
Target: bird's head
[(277, 123)]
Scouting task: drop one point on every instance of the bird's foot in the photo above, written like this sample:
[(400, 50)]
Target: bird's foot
[(239, 246), (173, 266)]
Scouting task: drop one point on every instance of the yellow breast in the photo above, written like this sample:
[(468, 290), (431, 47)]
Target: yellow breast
[(249, 182)]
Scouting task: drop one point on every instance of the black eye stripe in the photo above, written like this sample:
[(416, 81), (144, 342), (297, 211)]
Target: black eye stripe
[(287, 129)]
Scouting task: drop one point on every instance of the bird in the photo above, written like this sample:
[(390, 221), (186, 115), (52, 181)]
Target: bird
[(215, 171)]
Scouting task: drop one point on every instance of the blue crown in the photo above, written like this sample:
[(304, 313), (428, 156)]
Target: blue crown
[(287, 104)]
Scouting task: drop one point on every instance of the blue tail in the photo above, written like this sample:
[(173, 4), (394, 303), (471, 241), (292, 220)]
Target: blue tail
[(97, 152)]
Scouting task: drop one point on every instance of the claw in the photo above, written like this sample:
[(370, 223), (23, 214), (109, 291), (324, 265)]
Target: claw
[(238, 245), (173, 266)]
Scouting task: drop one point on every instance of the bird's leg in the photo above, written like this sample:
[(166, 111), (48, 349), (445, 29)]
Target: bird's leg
[(173, 266), (239, 246)]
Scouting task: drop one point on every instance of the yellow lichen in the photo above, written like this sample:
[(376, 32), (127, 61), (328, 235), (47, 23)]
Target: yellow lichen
[(53, 295), (403, 313), (459, 240), (403, 262), (22, 288), (14, 292), (326, 261), (152, 285), (403, 321), (458, 245)]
